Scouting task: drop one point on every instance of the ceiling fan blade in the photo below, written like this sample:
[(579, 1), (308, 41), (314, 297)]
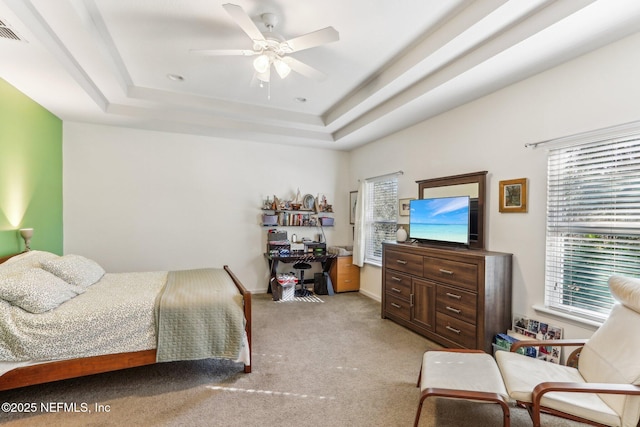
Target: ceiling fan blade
[(304, 69), (244, 21), (223, 52), (313, 39)]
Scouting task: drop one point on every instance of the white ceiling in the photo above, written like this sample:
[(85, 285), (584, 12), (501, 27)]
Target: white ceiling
[(396, 63)]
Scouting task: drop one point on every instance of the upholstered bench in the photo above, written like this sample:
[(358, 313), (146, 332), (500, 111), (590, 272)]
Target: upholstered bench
[(462, 374)]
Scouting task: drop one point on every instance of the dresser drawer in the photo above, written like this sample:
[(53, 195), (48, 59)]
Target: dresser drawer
[(345, 275), (460, 332), (397, 307), (407, 263), (398, 285), (347, 282), (452, 272), (456, 303)]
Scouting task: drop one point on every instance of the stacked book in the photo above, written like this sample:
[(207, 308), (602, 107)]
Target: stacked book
[(523, 329)]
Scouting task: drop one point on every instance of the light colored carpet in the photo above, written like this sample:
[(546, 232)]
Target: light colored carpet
[(331, 364)]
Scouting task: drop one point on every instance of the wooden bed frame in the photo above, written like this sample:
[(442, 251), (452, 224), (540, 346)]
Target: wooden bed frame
[(73, 368)]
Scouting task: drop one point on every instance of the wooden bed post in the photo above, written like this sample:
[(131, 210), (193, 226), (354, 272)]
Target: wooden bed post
[(246, 297)]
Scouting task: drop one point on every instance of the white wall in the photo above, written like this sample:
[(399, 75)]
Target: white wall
[(597, 90), (139, 200), (143, 200)]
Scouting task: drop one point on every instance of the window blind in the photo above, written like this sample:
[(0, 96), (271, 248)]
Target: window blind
[(381, 215), (593, 223)]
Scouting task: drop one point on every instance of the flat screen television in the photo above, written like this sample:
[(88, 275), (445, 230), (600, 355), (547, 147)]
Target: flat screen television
[(442, 219)]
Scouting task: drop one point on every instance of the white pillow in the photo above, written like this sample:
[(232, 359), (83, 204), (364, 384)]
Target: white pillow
[(26, 260), (75, 269), (36, 290)]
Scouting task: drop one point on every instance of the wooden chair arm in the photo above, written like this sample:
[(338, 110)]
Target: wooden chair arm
[(555, 343), (568, 387)]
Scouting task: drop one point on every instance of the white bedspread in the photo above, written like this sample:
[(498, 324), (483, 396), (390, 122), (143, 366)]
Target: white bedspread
[(115, 315)]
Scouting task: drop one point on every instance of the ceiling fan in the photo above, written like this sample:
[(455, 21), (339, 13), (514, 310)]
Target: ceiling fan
[(271, 49)]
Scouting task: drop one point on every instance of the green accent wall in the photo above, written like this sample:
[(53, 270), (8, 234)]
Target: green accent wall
[(30, 173)]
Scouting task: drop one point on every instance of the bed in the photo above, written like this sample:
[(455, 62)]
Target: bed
[(63, 317)]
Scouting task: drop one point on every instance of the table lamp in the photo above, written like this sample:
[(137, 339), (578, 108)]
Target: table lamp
[(26, 234)]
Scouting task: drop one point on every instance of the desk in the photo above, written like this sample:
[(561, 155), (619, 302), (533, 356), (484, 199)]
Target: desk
[(273, 260)]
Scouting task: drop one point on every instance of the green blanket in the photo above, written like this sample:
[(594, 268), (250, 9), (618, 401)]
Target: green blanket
[(199, 315)]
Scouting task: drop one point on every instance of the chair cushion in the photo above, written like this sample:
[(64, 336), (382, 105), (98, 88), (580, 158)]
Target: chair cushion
[(522, 373), (302, 266), (626, 290), (461, 371), (611, 356)]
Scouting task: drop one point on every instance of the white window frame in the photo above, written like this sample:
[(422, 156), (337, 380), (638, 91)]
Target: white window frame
[(381, 215), (593, 221)]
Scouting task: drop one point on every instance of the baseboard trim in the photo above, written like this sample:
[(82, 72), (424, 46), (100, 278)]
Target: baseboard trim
[(370, 295)]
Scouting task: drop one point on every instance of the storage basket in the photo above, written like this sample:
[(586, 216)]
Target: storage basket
[(269, 219), (287, 282), (288, 292), (326, 221)]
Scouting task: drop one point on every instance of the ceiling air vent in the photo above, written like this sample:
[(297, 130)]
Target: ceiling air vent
[(7, 33)]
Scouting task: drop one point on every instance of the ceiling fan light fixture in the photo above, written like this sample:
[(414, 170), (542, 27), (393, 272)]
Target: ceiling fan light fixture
[(272, 48), (261, 63), (282, 68), (264, 77)]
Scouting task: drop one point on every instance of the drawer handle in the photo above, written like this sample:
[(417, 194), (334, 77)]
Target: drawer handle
[(457, 331), (401, 261), (397, 279), (347, 281), (393, 304), (449, 294), (449, 272), (455, 310), (396, 290)]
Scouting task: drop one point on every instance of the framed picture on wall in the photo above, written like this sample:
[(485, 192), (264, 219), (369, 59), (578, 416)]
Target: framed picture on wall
[(513, 195), (353, 197), (403, 206)]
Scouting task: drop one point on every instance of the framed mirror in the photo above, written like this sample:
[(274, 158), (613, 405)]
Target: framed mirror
[(472, 185)]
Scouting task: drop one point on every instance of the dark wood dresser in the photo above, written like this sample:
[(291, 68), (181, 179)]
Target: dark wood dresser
[(459, 298)]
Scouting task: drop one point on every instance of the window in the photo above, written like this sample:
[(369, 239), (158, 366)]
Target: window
[(593, 223), (381, 215)]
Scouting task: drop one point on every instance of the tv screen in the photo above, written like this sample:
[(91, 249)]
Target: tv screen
[(444, 219)]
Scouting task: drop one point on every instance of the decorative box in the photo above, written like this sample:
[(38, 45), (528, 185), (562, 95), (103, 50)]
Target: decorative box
[(326, 221), (268, 219)]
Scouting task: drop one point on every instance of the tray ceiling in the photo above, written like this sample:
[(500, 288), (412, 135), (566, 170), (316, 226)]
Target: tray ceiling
[(127, 63)]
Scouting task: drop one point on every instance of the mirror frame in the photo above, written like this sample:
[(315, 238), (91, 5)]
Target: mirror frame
[(468, 178)]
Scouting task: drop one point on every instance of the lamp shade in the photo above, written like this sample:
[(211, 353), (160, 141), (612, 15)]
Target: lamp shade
[(26, 233), (261, 64), (282, 68)]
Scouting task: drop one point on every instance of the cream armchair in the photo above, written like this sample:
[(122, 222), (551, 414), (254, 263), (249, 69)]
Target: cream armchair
[(604, 388), (601, 389)]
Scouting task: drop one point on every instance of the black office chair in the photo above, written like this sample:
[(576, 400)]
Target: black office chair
[(302, 266)]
